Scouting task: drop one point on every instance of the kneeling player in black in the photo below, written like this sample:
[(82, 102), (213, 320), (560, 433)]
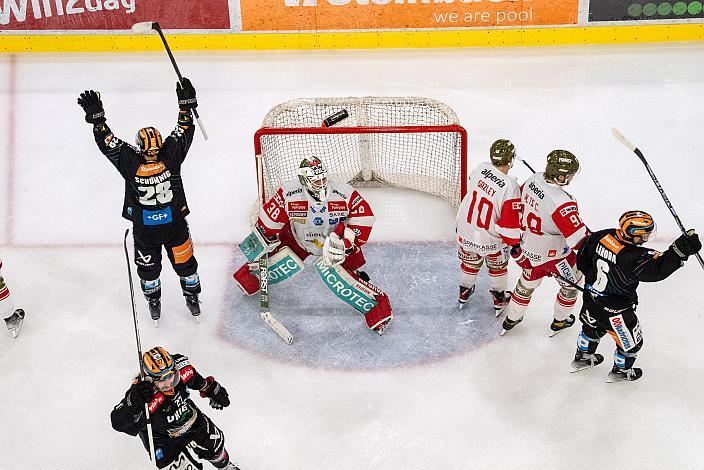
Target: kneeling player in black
[(155, 201), (176, 421), (613, 263)]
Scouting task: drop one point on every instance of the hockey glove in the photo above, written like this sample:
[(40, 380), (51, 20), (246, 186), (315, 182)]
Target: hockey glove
[(687, 245), (219, 398), (141, 392), (93, 107), (334, 251), (519, 257), (186, 94)]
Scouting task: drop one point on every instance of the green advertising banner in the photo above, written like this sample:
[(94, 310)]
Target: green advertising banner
[(639, 10)]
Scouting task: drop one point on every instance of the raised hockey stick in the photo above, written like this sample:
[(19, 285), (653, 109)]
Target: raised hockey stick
[(525, 163), (139, 350), (640, 155), (144, 28), (263, 265)]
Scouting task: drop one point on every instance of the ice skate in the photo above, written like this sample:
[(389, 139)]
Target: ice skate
[(230, 466), (583, 361), (465, 294), (501, 300), (193, 304), (559, 325), (14, 322), (618, 375), (155, 310), (509, 324)]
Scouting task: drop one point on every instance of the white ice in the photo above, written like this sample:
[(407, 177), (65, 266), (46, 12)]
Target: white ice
[(511, 404)]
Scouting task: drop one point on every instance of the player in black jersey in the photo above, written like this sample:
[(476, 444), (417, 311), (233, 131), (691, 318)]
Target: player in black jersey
[(177, 423), (155, 201), (614, 262)]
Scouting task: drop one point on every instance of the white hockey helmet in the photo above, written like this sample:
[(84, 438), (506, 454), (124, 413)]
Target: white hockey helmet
[(314, 176)]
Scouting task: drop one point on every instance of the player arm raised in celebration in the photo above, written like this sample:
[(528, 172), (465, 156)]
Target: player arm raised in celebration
[(180, 139)]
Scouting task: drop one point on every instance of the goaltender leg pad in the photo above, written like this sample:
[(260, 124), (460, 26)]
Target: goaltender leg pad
[(363, 296), (358, 294), (284, 264), (255, 246)]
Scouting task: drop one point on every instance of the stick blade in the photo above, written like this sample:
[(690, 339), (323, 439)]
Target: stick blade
[(278, 328), (617, 134), (143, 28)]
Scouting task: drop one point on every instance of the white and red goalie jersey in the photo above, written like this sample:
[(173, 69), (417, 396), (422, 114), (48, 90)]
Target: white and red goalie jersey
[(312, 221), (551, 224), (489, 214)]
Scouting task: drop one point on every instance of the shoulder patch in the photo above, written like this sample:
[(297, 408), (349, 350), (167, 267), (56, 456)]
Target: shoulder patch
[(611, 243)]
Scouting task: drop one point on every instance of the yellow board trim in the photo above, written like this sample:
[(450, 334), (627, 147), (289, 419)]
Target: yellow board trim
[(12, 43)]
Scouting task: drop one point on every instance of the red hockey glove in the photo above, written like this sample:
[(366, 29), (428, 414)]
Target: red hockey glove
[(519, 257)]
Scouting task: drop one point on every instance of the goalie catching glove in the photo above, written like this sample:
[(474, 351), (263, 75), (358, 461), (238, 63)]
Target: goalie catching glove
[(336, 248), (219, 398)]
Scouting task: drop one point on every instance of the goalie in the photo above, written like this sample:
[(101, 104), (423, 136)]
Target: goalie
[(313, 215)]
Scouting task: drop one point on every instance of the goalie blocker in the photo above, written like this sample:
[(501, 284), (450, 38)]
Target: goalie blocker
[(342, 279)]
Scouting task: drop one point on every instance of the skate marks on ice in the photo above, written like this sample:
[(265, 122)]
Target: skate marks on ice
[(421, 279)]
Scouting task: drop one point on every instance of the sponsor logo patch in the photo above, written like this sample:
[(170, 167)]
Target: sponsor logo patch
[(297, 206), (183, 252), (337, 206), (318, 221), (622, 333), (161, 217)]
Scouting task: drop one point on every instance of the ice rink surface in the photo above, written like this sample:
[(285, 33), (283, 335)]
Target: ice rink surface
[(510, 403)]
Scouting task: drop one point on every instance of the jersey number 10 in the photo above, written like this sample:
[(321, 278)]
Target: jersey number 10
[(484, 210)]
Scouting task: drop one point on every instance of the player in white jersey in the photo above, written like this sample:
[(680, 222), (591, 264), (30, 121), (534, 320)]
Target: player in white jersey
[(13, 319), (551, 230), (487, 222), (314, 215)]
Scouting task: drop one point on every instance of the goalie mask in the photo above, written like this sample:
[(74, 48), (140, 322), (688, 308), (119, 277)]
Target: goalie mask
[(148, 141), (314, 176), (636, 227), (160, 367)]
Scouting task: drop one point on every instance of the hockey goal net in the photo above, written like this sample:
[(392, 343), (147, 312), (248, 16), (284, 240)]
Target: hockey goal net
[(414, 143)]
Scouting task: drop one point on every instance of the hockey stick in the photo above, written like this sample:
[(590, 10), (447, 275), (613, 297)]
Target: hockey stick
[(640, 155), (264, 312), (525, 163), (139, 351), (145, 28)]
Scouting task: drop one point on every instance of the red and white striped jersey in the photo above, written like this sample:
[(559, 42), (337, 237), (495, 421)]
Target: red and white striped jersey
[(550, 223), (490, 211), (312, 221)]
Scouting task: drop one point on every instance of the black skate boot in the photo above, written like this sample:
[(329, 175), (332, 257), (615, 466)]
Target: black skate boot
[(193, 304), (155, 309), (465, 294), (584, 360), (501, 300), (14, 322), (508, 324), (618, 375), (558, 325)]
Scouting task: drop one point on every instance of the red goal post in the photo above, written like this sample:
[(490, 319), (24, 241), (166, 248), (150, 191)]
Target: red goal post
[(415, 143)]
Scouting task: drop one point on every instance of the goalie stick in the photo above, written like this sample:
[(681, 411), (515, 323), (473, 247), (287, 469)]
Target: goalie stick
[(147, 415), (144, 28), (263, 266), (640, 155)]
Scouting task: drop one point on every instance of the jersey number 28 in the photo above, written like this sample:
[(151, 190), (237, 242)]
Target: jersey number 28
[(160, 192)]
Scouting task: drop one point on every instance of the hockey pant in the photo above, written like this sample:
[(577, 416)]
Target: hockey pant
[(206, 440), (621, 323), (471, 263), (375, 317), (530, 280), (176, 239)]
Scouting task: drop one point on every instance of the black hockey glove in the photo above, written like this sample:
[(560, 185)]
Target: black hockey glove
[(93, 107), (687, 245), (219, 398), (186, 94), (141, 392)]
